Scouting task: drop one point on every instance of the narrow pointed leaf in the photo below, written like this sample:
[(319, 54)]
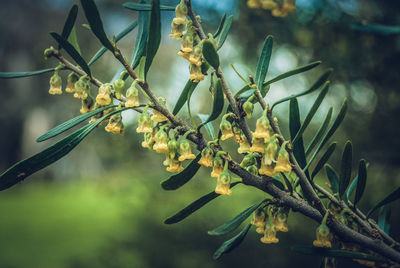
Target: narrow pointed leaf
[(70, 22), (345, 168), (145, 7), (119, 36), (333, 178), (224, 32), (325, 157), (154, 38), (263, 62), (141, 39), (221, 25), (218, 104), (208, 126), (362, 180), (321, 80), (287, 182), (210, 54), (96, 25), (235, 222), (232, 243), (141, 69), (73, 40), (72, 52), (9, 75), (178, 180), (383, 219), (70, 124), (190, 86), (337, 253), (312, 111), (320, 132), (194, 206), (294, 126), (390, 198)]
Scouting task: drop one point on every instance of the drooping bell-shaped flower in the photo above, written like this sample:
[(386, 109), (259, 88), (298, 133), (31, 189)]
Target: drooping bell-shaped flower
[(81, 88), (55, 84), (226, 129), (257, 145), (271, 147), (263, 128), (148, 141), (237, 133), (87, 105), (195, 73), (104, 95), (259, 220), (280, 220), (161, 144), (181, 11), (145, 124), (157, 116), (119, 87), (196, 55), (248, 108), (176, 30), (132, 96), (224, 183), (283, 162), (248, 160), (71, 80), (185, 151), (218, 167), (269, 233), (324, 237), (174, 166), (187, 40), (167, 160), (267, 170), (173, 146), (115, 125), (206, 157), (244, 146)]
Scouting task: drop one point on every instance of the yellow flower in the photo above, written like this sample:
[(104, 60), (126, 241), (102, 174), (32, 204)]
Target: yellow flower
[(259, 219), (103, 96), (269, 233), (186, 56), (224, 184), (263, 128), (87, 105), (270, 151), (258, 145), (253, 3), (185, 151), (71, 80), (196, 55), (187, 39), (157, 116), (218, 167), (148, 141), (268, 4), (115, 125), (226, 129), (206, 157), (244, 146), (55, 84), (283, 163), (174, 166), (145, 125), (132, 96), (195, 73), (280, 221), (176, 30), (237, 133), (267, 170), (81, 89), (324, 237), (181, 13), (161, 145), (119, 87)]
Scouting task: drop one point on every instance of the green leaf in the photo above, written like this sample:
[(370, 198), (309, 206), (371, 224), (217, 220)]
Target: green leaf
[(218, 104), (345, 168), (287, 182), (263, 62), (361, 181), (232, 243), (177, 180), (294, 126), (210, 54), (194, 206), (208, 126), (320, 132), (72, 52), (190, 86), (221, 25), (70, 123), (331, 131), (224, 32), (96, 25), (9, 75), (312, 111), (325, 157), (73, 39), (333, 178), (235, 222), (383, 219), (321, 80), (337, 253), (141, 71), (145, 7), (393, 196), (243, 90), (69, 23), (141, 39), (154, 38), (119, 36)]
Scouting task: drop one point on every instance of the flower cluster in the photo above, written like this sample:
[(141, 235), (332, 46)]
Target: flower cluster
[(278, 8), (191, 47), (269, 220)]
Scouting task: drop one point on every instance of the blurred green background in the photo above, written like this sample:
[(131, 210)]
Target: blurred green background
[(102, 205)]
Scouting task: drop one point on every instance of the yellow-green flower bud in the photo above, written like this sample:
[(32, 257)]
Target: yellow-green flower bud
[(132, 96), (252, 169), (224, 184), (226, 129), (71, 80), (271, 147), (181, 11), (248, 108), (55, 84), (173, 146), (104, 95), (185, 151), (119, 87), (248, 160)]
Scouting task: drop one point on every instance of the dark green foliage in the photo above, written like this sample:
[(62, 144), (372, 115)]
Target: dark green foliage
[(224, 32), (8, 75), (69, 23), (345, 168), (325, 157), (263, 62), (178, 180), (210, 54), (232, 243), (154, 38)]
